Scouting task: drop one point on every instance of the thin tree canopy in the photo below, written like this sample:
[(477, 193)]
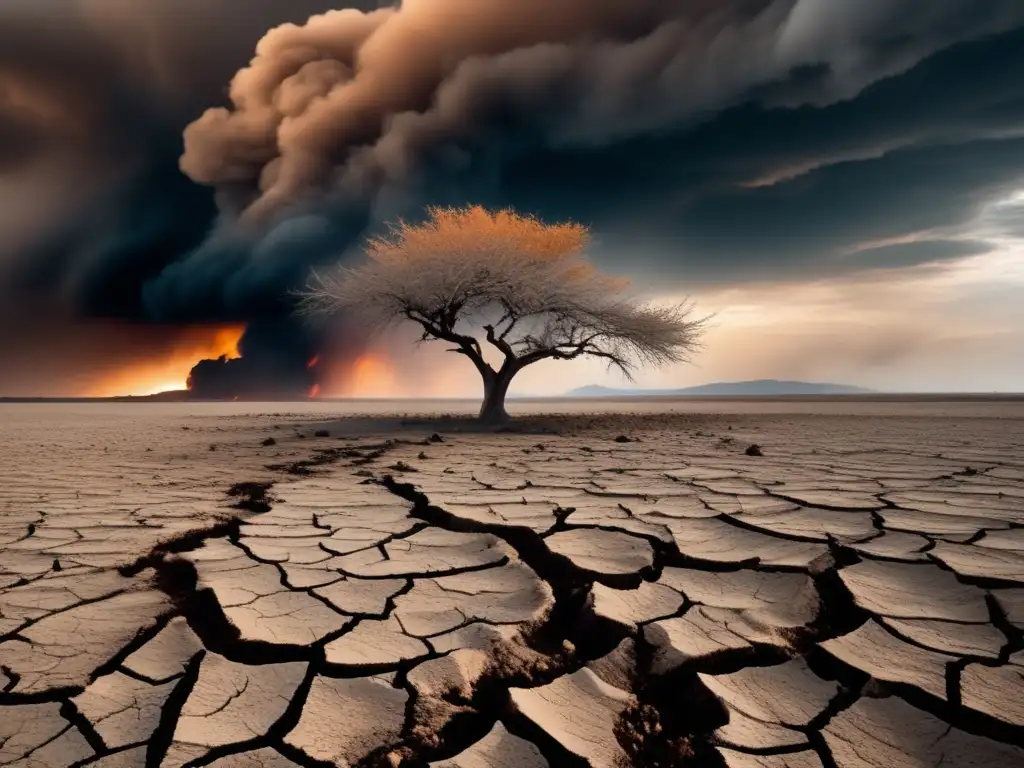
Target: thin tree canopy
[(525, 284)]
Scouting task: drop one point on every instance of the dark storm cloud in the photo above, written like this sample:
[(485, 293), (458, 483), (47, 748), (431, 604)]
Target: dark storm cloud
[(776, 192), (898, 255), (839, 206), (702, 139), (103, 89), (661, 132), (97, 258)]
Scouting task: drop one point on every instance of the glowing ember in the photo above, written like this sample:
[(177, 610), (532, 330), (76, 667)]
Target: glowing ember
[(168, 370), (314, 391), (313, 361)]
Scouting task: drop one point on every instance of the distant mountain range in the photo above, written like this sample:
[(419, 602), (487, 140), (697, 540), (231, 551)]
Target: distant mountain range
[(757, 388)]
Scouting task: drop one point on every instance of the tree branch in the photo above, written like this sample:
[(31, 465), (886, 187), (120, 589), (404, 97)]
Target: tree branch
[(500, 343), (512, 319), (572, 350), (468, 346)]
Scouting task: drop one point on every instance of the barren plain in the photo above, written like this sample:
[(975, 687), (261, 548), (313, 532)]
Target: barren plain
[(812, 587)]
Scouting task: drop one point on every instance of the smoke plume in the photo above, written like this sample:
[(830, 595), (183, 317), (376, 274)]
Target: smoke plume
[(353, 104)]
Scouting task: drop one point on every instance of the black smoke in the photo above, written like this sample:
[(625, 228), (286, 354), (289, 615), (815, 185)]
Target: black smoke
[(277, 359)]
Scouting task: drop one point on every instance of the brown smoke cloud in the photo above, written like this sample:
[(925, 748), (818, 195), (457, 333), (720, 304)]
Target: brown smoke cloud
[(347, 79), (350, 103)]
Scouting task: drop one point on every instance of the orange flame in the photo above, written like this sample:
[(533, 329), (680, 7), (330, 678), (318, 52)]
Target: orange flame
[(314, 391), (168, 369)]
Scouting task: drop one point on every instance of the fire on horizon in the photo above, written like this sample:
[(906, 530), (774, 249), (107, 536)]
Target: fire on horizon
[(370, 374), (169, 371)]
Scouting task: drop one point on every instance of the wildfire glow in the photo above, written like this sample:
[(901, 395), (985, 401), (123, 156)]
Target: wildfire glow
[(372, 374), (168, 368)]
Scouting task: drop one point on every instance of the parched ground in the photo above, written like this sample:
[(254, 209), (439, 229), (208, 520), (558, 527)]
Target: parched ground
[(652, 591)]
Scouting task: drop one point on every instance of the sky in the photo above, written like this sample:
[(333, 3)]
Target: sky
[(842, 185)]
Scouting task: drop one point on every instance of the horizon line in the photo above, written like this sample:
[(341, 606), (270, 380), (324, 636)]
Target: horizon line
[(877, 394)]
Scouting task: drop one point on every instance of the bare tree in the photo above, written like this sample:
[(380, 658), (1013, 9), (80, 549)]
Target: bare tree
[(525, 284)]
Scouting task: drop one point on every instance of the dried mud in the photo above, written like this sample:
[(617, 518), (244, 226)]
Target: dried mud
[(848, 595)]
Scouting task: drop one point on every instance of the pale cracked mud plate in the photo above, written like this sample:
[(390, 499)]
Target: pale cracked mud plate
[(853, 597)]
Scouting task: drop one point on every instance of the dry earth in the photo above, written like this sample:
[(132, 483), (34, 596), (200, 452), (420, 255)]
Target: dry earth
[(612, 592)]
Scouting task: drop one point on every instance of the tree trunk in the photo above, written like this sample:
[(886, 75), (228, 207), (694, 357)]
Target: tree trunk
[(492, 411)]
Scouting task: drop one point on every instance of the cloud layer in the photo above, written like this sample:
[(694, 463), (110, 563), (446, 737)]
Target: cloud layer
[(354, 102)]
